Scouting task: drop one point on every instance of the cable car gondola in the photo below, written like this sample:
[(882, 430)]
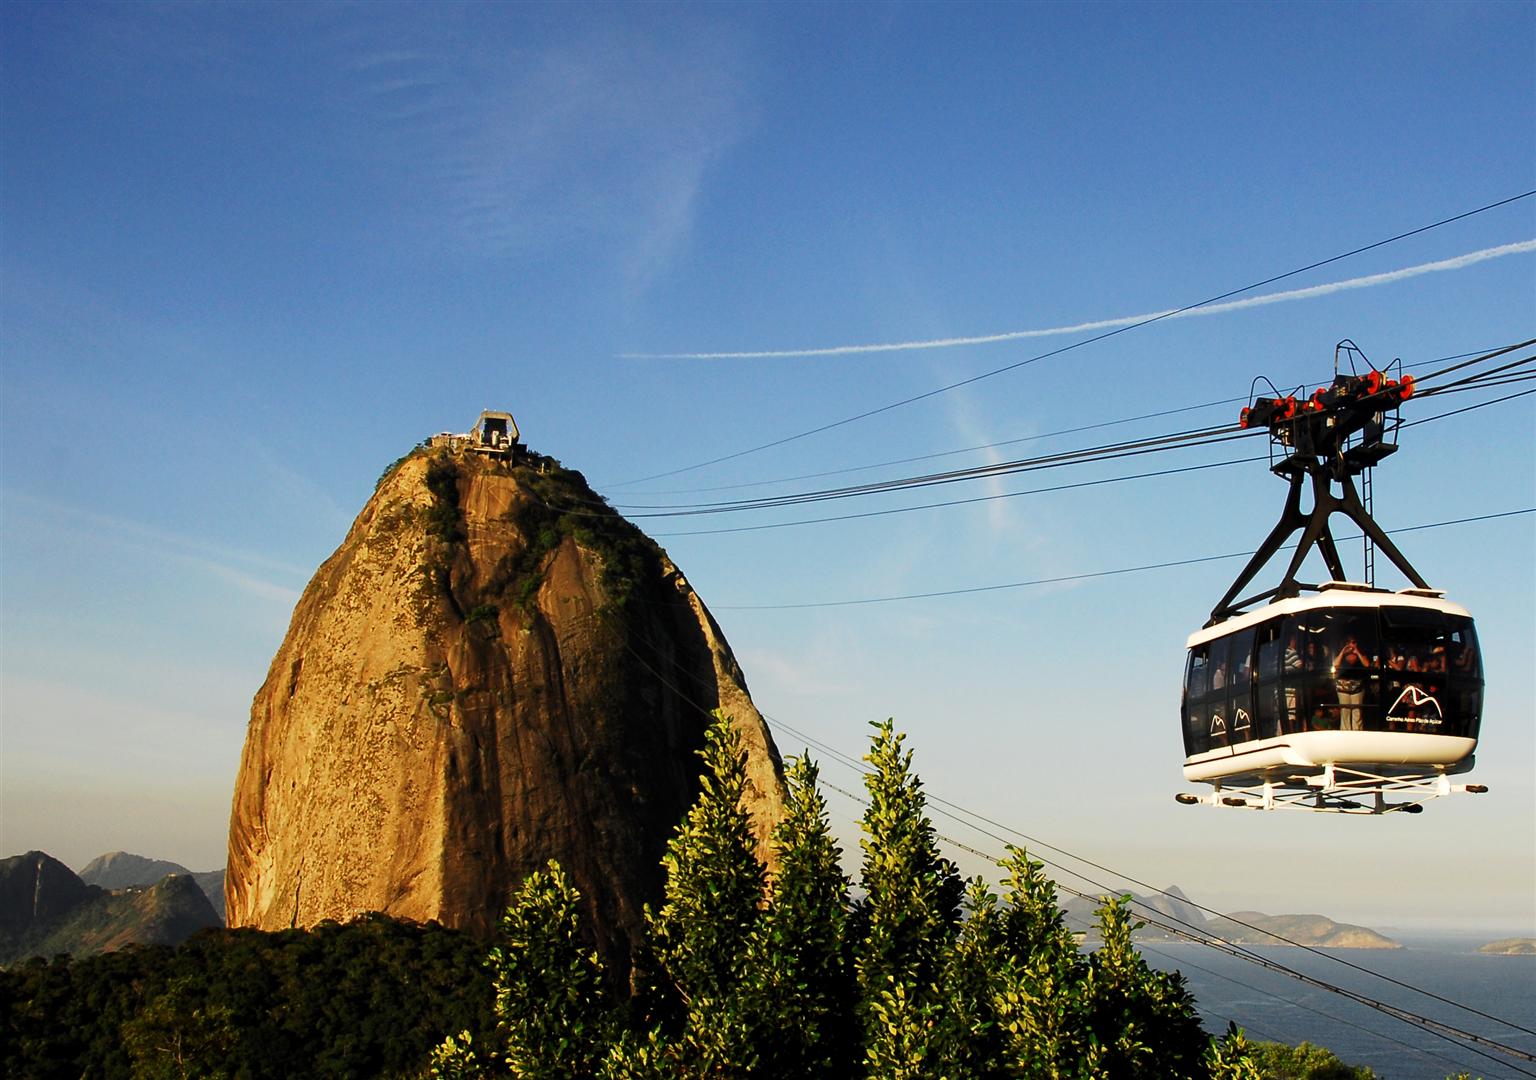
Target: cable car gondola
[(1338, 696)]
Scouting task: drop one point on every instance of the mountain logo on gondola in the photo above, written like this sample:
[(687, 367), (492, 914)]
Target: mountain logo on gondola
[(1417, 700), (1218, 725), (1241, 722)]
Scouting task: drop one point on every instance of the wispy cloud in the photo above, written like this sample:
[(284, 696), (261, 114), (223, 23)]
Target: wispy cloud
[(1368, 281), (249, 572), (963, 419), (602, 130)]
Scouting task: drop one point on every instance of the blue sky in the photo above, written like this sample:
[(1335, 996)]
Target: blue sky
[(251, 254)]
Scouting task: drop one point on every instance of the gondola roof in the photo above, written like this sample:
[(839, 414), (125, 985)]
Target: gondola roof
[(1334, 594)]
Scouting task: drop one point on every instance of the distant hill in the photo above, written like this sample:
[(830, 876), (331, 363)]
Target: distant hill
[(212, 884), (1176, 909), (122, 870), (1316, 930), (1515, 946), (36, 890), (45, 908)]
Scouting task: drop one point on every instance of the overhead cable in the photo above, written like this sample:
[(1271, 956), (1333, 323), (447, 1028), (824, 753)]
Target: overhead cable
[(965, 502), (1109, 451), (1078, 344), (1082, 484), (1060, 579), (1106, 452), (1000, 443)]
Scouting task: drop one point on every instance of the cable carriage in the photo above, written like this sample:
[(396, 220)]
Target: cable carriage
[(1337, 696)]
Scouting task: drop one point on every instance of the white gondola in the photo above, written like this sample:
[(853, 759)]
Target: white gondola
[(1340, 697), (1319, 699)]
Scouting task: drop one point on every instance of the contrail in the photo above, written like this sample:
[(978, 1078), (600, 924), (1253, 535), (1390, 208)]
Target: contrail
[(1456, 263)]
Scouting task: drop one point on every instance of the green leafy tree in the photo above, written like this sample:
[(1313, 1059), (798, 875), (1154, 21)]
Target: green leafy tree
[(969, 1036), (551, 1004), (1277, 1061), (455, 1059), (179, 1035), (1231, 1057), (1039, 994), (907, 919), (1143, 1021), (706, 935), (808, 967)]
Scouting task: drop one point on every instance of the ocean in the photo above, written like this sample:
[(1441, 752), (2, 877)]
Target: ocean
[(1274, 1007)]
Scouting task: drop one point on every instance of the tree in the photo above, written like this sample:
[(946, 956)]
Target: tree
[(1277, 1061), (790, 980), (811, 985), (969, 1036), (706, 935), (1039, 991), (179, 1035), (907, 919), (551, 1004), (1231, 1057), (1143, 1021)]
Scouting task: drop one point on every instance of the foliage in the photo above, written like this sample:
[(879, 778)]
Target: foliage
[(808, 963), (483, 613), (370, 998), (792, 980), (444, 518), (560, 504), (178, 1035), (742, 977), (1231, 1057), (390, 469), (1141, 1020), (1277, 1061), (1039, 993), (551, 1008), (706, 935), (908, 916)]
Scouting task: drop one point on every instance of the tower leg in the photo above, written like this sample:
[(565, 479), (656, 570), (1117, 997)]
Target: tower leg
[(1291, 519), (1352, 507)]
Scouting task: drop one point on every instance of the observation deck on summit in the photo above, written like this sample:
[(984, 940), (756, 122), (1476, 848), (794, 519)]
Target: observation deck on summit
[(495, 434)]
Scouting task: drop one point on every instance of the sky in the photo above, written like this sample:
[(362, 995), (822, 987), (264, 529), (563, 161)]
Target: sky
[(251, 254)]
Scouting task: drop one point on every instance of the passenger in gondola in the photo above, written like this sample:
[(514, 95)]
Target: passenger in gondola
[(1290, 717), (1322, 694), (1349, 679), (1465, 658)]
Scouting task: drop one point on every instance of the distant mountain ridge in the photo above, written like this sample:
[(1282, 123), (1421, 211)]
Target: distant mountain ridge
[(119, 870), (1174, 908), (45, 908), (122, 870)]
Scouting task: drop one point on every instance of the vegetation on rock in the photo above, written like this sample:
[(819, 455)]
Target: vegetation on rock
[(558, 503)]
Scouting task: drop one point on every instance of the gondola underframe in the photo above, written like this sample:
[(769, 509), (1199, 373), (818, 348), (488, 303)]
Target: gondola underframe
[(1339, 790)]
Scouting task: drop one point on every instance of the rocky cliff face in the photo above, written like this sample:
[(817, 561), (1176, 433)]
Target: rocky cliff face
[(494, 669)]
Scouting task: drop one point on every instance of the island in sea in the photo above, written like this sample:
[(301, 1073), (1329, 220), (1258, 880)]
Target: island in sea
[(1514, 946), (1172, 916)]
